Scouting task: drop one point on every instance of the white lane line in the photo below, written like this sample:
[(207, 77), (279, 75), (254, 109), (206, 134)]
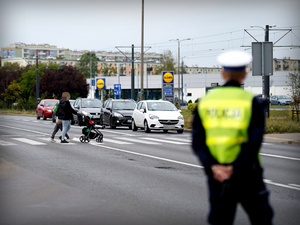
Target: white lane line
[(139, 141), (4, 143), (28, 141), (281, 185), (166, 141), (116, 141), (150, 156), (279, 156), (296, 185), (56, 141), (179, 139), (16, 128)]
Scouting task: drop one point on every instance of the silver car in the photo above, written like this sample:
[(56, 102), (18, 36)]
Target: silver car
[(280, 100)]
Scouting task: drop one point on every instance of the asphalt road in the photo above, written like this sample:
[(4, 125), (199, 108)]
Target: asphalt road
[(130, 178)]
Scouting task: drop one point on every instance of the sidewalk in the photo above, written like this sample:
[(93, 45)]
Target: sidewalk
[(286, 138)]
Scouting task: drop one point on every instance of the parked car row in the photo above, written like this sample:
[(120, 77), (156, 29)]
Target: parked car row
[(147, 115)]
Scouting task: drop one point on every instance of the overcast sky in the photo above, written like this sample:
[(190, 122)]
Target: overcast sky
[(213, 25)]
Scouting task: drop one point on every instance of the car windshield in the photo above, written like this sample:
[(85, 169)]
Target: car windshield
[(283, 97), (161, 106), (91, 103), (126, 105), (50, 103)]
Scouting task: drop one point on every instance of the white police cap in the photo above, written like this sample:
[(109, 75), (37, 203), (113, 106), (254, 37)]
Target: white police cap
[(234, 60)]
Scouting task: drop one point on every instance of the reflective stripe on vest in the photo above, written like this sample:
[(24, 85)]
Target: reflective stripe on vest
[(225, 114)]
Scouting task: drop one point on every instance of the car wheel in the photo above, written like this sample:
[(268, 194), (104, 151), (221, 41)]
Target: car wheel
[(180, 131), (44, 117), (133, 126), (111, 125), (278, 103), (37, 117), (165, 131), (146, 128)]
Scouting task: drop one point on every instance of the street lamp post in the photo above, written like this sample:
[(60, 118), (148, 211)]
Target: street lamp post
[(178, 64), (266, 78), (37, 89)]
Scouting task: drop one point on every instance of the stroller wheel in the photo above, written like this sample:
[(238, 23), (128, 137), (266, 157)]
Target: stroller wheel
[(100, 139), (82, 139), (87, 139)]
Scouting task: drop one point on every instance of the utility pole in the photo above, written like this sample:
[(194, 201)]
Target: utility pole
[(132, 72), (266, 78), (37, 89), (142, 55)]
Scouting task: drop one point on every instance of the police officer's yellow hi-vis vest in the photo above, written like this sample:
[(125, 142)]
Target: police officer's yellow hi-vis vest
[(225, 114)]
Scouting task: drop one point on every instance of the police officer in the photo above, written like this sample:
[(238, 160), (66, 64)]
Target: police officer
[(228, 128)]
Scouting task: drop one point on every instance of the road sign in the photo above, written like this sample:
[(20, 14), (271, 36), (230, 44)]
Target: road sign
[(100, 84), (117, 89)]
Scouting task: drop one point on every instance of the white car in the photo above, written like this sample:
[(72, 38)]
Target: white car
[(157, 115)]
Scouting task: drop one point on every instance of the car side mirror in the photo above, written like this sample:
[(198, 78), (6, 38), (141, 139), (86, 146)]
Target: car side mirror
[(108, 109), (76, 107), (179, 110), (142, 110), (41, 105)]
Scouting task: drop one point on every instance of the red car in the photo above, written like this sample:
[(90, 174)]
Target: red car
[(45, 107)]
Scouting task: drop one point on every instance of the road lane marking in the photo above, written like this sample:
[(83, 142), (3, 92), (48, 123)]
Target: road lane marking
[(166, 141), (4, 143), (281, 185), (151, 156), (279, 156), (139, 141), (22, 129), (179, 139), (296, 185), (28, 141)]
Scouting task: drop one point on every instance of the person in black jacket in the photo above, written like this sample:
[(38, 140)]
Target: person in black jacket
[(65, 114), (217, 133)]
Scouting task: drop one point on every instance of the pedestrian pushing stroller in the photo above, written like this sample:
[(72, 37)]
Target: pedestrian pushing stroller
[(90, 130)]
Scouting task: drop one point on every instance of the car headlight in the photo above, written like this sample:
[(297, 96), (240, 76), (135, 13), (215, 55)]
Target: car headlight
[(153, 117), (117, 114), (180, 117), (49, 110)]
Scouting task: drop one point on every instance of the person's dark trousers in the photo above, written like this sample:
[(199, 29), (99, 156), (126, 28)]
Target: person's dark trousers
[(252, 195), (56, 129)]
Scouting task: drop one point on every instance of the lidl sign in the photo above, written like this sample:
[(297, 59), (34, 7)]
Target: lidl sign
[(100, 83), (168, 77)]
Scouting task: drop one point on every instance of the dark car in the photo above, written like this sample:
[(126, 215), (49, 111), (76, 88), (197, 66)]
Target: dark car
[(54, 116), (45, 108), (89, 106), (117, 112)]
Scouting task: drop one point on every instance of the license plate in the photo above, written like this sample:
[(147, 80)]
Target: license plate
[(95, 117), (168, 126), (128, 121)]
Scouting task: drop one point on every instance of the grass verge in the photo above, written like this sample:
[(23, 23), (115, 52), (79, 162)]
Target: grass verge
[(279, 121)]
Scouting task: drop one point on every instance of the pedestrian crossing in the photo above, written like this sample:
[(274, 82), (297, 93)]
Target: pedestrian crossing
[(117, 140)]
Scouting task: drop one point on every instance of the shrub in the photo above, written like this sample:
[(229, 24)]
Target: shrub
[(191, 107), (190, 101)]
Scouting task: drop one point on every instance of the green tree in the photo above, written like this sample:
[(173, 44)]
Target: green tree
[(67, 79), (294, 88), (88, 60), (168, 63), (10, 66), (12, 93), (108, 70)]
